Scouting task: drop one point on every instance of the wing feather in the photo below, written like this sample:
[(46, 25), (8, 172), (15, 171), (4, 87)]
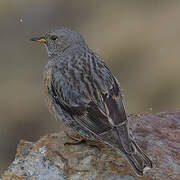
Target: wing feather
[(99, 111)]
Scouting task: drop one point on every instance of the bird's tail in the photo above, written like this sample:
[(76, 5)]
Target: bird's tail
[(138, 159), (121, 138)]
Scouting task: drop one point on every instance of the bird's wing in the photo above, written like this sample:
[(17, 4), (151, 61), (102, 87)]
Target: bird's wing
[(100, 110), (79, 106)]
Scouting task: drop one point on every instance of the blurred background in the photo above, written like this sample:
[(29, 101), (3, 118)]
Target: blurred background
[(139, 40)]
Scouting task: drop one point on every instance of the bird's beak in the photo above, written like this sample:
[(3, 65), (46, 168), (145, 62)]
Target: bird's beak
[(39, 39)]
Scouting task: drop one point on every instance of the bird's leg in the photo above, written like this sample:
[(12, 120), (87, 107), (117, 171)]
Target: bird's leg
[(93, 144), (77, 139)]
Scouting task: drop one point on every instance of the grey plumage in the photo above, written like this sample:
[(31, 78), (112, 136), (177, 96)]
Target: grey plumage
[(84, 94)]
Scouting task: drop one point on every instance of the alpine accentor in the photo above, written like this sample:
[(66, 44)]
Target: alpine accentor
[(83, 93)]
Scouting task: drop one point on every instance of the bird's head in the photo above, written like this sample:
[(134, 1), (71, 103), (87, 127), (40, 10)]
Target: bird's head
[(57, 41)]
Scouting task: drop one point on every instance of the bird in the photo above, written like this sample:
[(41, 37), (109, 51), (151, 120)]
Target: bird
[(82, 92)]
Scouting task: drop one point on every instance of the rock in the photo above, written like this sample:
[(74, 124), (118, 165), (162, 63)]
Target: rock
[(50, 159)]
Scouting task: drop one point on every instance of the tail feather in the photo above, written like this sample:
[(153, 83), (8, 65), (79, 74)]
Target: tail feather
[(120, 138), (138, 159)]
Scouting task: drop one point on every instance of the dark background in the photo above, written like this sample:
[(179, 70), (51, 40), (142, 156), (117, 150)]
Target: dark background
[(139, 40)]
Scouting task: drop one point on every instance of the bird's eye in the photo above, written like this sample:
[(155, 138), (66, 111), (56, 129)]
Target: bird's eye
[(53, 37)]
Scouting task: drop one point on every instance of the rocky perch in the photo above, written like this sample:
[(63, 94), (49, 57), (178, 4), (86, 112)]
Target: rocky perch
[(50, 159)]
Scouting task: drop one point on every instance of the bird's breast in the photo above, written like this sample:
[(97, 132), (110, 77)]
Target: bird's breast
[(47, 86)]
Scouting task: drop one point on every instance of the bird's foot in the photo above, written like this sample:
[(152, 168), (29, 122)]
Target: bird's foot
[(94, 144), (77, 139)]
